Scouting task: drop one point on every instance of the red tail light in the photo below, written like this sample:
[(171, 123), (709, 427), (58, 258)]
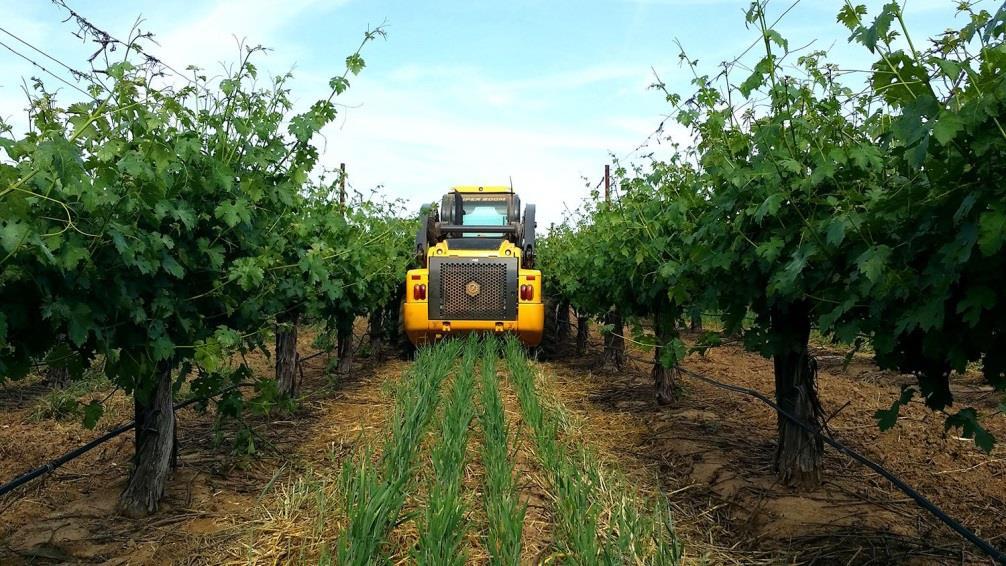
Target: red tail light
[(526, 292), (419, 292)]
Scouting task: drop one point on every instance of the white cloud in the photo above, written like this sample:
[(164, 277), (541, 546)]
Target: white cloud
[(532, 93), (211, 36), (410, 137)]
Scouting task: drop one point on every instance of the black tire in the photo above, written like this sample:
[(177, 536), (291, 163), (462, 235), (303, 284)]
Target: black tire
[(527, 237), (406, 349), (549, 346)]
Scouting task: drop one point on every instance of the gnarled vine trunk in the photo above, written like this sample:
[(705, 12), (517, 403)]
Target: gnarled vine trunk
[(582, 334), (286, 356), (695, 314), (562, 325), (155, 444), (376, 331), (614, 341), (344, 344), (57, 376), (664, 379), (401, 338), (550, 332), (798, 454)]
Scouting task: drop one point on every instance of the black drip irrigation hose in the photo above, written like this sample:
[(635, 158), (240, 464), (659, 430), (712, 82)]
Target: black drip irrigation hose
[(919, 499), (77, 452)]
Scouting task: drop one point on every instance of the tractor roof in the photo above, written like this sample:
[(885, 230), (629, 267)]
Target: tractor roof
[(481, 189)]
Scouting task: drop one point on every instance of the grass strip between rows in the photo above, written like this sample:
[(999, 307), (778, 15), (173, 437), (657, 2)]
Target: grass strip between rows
[(575, 513), (581, 491), (504, 511), (375, 495), (442, 533)]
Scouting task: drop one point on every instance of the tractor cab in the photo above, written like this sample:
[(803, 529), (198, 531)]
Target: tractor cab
[(474, 206), (478, 217)]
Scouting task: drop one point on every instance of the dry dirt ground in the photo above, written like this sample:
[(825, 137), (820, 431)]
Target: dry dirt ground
[(710, 453), (212, 496)]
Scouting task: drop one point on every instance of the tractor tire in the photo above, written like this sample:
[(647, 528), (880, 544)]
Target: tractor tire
[(406, 349), (550, 341)]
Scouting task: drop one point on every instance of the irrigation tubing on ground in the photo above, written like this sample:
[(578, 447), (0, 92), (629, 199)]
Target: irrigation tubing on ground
[(920, 499), (52, 465)]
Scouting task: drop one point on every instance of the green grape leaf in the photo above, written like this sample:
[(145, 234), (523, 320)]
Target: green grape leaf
[(967, 420), (900, 79), (873, 261), (338, 84), (672, 353), (72, 256), (770, 250), (778, 39), (836, 231), (770, 206), (975, 301), (866, 156), (93, 412), (991, 231), (233, 212), (80, 323), (12, 234), (135, 165), (162, 348), (879, 31), (752, 83), (110, 150), (947, 127), (355, 63), (209, 355), (952, 69), (851, 16), (172, 266)]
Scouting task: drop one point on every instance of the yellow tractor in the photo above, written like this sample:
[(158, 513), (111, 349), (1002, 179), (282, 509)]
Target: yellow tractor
[(476, 257)]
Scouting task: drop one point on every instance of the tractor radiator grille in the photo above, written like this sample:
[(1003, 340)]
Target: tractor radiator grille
[(473, 289)]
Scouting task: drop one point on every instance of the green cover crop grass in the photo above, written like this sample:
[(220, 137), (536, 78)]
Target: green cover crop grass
[(503, 508), (442, 533), (374, 496), (583, 493)]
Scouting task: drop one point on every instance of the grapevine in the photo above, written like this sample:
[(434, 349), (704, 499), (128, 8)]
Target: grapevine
[(871, 215)]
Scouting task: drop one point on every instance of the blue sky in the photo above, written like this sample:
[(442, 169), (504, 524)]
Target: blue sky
[(460, 92)]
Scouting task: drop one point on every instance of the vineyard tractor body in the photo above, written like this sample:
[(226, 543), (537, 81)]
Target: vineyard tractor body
[(476, 274)]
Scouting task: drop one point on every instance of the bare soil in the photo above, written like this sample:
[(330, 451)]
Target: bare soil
[(212, 497), (712, 453)]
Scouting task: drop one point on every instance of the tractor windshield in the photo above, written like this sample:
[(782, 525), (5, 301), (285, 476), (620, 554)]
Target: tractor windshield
[(484, 210), (483, 213)]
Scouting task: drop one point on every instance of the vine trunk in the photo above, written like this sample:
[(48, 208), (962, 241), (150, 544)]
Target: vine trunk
[(286, 357), (614, 341), (156, 445), (799, 452)]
